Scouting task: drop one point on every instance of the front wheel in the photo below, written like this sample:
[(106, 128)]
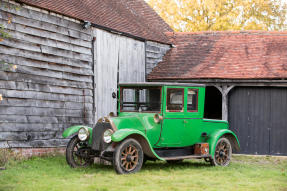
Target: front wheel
[(77, 153), (128, 157), (222, 154)]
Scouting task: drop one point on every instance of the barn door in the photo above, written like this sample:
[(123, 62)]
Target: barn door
[(117, 59), (106, 70), (258, 116)]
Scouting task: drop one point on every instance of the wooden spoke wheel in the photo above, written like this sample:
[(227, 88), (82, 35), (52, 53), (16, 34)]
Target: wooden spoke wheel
[(77, 153), (223, 151), (128, 157)]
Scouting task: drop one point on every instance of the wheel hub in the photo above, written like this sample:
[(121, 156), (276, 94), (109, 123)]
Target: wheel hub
[(129, 159), (221, 153)]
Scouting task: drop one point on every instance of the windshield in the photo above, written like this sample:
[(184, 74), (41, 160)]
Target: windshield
[(140, 99)]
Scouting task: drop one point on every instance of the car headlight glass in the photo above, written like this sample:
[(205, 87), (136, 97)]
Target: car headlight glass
[(83, 134), (108, 136)]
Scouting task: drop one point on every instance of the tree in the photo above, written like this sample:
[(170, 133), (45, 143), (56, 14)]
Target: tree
[(220, 15)]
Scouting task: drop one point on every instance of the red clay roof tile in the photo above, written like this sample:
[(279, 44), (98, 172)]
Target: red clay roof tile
[(134, 17), (224, 55)]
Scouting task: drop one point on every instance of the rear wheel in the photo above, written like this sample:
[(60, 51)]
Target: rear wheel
[(128, 157), (222, 154), (77, 153)]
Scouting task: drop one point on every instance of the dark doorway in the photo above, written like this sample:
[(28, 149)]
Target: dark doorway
[(257, 115), (213, 103)]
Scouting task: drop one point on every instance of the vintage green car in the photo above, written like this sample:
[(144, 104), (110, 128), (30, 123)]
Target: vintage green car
[(155, 121)]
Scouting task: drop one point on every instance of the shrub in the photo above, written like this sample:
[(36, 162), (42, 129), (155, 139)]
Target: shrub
[(4, 157)]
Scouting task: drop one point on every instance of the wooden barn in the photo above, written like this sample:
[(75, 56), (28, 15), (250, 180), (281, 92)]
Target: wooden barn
[(63, 60), (68, 57), (246, 78)]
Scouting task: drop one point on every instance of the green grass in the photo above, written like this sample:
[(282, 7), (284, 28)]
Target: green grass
[(52, 173)]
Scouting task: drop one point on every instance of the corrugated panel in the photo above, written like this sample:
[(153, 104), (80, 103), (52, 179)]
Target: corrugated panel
[(258, 117)]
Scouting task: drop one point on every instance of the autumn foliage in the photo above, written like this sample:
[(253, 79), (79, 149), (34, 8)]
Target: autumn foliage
[(221, 15)]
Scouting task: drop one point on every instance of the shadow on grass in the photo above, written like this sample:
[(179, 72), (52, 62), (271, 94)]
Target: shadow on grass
[(154, 166)]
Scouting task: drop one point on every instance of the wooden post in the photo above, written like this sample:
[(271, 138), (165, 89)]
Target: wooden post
[(224, 92)]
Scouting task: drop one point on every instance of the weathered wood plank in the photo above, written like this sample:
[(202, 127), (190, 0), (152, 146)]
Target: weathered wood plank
[(53, 74), (26, 119), (12, 85), (45, 17), (39, 143), (44, 96), (45, 103), (20, 77), (43, 57), (45, 26), (49, 42), (39, 127), (45, 34), (20, 61), (35, 47), (29, 136)]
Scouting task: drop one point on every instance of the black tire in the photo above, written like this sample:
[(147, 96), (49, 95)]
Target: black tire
[(72, 159), (222, 154), (174, 161), (128, 157)]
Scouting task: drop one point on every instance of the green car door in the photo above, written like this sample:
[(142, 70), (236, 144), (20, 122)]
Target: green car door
[(173, 117), (194, 107), (182, 116)]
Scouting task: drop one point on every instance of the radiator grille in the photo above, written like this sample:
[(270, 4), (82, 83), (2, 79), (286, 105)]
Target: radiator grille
[(97, 138)]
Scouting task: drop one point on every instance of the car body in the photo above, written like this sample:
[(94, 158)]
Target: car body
[(157, 121)]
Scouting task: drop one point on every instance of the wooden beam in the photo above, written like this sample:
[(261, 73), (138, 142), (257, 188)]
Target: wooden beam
[(224, 90)]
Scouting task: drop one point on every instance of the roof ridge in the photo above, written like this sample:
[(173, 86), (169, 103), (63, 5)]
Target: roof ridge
[(242, 32)]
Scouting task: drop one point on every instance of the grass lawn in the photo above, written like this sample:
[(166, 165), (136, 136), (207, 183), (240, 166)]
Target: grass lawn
[(52, 173)]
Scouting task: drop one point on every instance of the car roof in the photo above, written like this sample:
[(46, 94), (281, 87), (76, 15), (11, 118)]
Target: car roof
[(160, 84)]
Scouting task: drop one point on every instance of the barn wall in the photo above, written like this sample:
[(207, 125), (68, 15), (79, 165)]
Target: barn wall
[(154, 54), (51, 88)]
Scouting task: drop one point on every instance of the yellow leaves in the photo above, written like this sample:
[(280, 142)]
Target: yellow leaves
[(14, 67), (1, 39), (205, 15), (1, 97)]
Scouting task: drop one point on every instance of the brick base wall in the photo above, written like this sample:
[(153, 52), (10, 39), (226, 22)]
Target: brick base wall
[(29, 152)]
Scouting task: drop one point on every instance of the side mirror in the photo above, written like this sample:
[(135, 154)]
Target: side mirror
[(157, 118)]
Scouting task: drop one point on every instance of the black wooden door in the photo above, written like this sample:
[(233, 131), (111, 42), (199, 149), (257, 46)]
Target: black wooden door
[(258, 115)]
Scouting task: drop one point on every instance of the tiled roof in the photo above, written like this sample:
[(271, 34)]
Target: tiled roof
[(134, 17), (224, 55)]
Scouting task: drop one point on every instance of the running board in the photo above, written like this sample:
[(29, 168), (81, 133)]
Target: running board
[(187, 157)]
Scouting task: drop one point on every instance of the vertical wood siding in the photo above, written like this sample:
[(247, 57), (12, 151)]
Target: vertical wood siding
[(258, 117), (106, 72), (51, 88), (118, 59)]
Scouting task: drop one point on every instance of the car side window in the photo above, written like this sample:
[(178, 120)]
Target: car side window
[(174, 100), (192, 100)]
